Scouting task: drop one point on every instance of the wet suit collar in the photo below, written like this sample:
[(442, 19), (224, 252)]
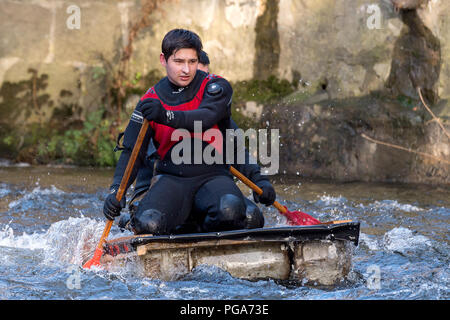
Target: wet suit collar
[(172, 94)]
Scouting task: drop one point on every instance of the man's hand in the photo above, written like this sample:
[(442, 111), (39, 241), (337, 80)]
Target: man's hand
[(268, 196), (152, 110), (112, 207)]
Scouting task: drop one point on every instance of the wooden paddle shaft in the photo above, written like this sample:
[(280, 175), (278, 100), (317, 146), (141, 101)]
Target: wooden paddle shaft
[(105, 233), (125, 178), (254, 187), (258, 190), (131, 161)]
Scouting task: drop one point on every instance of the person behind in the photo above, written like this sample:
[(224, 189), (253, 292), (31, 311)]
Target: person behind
[(196, 196), (203, 62)]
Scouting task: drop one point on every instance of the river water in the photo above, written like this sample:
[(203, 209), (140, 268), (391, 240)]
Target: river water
[(51, 219)]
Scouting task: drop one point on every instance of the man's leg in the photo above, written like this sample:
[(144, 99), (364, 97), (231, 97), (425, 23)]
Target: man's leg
[(219, 205), (254, 217), (194, 224), (166, 205)]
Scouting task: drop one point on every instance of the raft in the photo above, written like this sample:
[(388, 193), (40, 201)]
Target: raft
[(318, 254)]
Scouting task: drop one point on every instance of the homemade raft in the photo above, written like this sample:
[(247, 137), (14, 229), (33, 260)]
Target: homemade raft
[(320, 254)]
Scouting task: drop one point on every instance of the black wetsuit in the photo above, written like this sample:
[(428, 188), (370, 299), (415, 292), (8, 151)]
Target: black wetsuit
[(189, 197), (254, 217)]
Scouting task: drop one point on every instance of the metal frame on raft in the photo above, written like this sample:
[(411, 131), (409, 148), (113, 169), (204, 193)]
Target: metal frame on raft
[(320, 254)]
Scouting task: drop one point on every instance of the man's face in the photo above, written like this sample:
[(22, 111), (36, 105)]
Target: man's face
[(181, 66)]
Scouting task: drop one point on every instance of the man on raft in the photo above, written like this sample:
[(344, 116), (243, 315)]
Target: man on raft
[(194, 195)]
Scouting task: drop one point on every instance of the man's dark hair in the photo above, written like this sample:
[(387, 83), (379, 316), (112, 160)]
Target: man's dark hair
[(177, 39), (203, 58)]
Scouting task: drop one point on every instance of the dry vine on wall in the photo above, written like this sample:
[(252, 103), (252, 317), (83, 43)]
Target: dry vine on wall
[(423, 154), (120, 81)]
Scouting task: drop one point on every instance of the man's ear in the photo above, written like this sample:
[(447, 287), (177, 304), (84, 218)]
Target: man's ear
[(162, 59)]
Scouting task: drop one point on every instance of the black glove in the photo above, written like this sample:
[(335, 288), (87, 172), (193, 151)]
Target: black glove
[(268, 196), (152, 110), (112, 207)]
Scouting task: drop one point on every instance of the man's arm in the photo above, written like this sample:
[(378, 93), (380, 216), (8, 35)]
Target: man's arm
[(112, 207), (250, 170), (129, 140), (253, 172)]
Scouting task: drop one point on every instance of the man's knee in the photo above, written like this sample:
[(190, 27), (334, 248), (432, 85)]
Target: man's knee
[(231, 207), (254, 217), (150, 221), (230, 214)]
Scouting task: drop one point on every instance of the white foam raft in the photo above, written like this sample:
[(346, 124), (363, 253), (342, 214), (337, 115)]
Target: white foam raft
[(319, 254)]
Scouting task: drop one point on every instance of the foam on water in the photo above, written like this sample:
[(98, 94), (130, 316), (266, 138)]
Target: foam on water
[(402, 239), (399, 239), (35, 194), (326, 200), (24, 241), (72, 239), (369, 241), (387, 205), (66, 241)]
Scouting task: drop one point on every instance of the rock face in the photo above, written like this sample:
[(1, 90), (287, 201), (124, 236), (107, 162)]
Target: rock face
[(348, 46), (352, 140), (416, 60), (355, 47), (65, 57)]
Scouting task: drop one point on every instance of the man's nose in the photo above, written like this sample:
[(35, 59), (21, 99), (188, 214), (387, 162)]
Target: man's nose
[(185, 68)]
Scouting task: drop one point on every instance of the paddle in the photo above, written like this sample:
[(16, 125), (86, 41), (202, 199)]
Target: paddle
[(294, 217), (95, 261)]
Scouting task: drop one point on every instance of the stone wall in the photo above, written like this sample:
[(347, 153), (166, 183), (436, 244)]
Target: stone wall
[(370, 138), (344, 46), (61, 53)]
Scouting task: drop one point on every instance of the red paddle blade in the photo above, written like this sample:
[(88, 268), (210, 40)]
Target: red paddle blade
[(95, 261), (300, 218)]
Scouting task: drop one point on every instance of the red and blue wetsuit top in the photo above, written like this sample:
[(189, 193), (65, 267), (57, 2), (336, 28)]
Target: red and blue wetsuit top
[(188, 98)]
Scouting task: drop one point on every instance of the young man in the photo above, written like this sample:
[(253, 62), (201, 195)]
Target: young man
[(146, 171), (197, 197)]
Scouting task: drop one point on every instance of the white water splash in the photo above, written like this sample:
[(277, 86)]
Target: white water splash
[(66, 241), (73, 239), (399, 239), (36, 194), (402, 239), (388, 205), (25, 241), (369, 241), (331, 201)]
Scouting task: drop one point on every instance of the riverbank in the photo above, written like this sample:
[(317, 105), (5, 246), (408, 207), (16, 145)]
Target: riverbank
[(371, 138)]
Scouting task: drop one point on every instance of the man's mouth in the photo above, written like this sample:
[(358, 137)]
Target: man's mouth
[(184, 78)]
